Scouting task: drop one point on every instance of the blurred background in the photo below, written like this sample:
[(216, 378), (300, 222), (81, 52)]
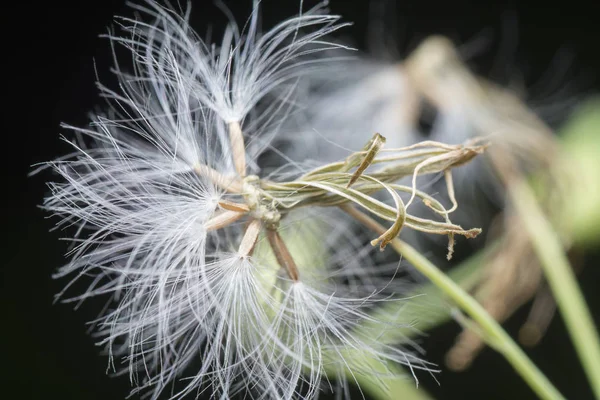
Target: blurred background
[(52, 52)]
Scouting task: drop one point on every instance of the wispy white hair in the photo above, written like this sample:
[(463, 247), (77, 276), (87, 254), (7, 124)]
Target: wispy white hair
[(344, 104), (181, 293)]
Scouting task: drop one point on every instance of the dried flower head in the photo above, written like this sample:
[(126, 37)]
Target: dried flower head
[(218, 279)]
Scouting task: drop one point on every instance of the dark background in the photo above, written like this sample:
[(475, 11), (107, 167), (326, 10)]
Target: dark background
[(48, 55)]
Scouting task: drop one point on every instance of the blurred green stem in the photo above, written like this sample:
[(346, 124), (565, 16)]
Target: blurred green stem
[(561, 279), (391, 384), (492, 332), (389, 380)]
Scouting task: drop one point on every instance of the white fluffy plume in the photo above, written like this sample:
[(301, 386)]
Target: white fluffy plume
[(189, 303)]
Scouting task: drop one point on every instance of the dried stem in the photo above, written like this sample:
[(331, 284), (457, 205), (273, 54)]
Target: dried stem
[(230, 184), (231, 206), (511, 278), (372, 148), (250, 237), (541, 314), (223, 219), (453, 158), (450, 187), (282, 254), (239, 148)]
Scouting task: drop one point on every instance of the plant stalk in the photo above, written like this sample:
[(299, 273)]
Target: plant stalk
[(494, 334), (561, 279), (392, 384)]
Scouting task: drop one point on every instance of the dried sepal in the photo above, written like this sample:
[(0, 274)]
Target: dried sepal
[(371, 149)]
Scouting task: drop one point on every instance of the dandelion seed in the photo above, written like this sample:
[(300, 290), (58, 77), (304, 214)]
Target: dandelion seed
[(172, 225)]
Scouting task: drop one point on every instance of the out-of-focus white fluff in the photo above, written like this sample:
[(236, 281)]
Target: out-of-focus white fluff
[(345, 104), (359, 97), (181, 294)]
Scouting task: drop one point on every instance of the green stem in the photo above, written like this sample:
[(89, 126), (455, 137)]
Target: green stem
[(561, 279), (427, 305), (392, 384), (388, 380), (493, 333), (501, 340)]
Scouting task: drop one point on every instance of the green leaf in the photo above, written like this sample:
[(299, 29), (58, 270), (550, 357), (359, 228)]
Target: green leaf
[(580, 138)]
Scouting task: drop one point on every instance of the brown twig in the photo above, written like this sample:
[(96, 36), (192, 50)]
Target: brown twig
[(282, 254), (238, 147)]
